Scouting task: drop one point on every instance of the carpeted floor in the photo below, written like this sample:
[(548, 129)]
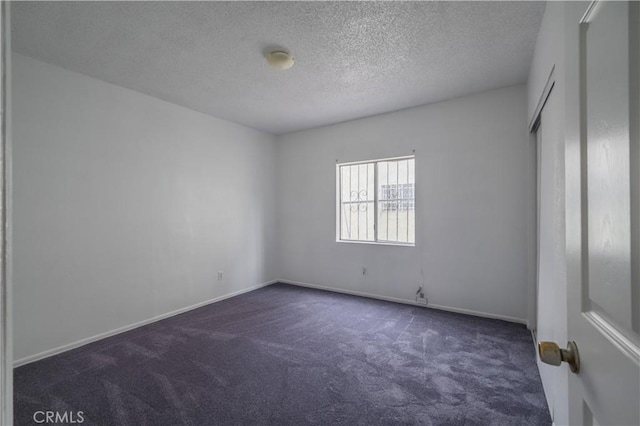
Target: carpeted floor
[(286, 355)]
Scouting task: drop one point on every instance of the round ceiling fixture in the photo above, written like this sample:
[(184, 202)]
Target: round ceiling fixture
[(280, 60)]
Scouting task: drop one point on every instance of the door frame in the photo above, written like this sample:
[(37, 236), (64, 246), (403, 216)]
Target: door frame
[(6, 335), (550, 313), (534, 222)]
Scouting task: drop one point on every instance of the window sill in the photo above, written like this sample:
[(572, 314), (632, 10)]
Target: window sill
[(377, 243)]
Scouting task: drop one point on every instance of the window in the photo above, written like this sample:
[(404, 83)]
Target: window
[(376, 201)]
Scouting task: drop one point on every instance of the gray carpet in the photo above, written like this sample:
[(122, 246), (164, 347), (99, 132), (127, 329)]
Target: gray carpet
[(286, 355)]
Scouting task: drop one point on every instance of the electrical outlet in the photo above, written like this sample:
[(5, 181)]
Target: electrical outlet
[(220, 275)]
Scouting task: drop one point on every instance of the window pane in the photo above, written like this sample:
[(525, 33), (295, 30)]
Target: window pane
[(396, 208), (357, 202), (383, 201), (410, 195)]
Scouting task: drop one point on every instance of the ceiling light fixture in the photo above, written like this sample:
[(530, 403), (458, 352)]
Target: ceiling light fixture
[(280, 60)]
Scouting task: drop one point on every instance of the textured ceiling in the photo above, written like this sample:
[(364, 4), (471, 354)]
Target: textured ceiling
[(353, 59)]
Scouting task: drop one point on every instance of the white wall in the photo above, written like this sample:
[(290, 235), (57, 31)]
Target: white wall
[(472, 189), (552, 302), (125, 207)]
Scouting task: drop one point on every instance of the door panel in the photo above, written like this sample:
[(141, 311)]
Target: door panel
[(601, 59), (608, 286)]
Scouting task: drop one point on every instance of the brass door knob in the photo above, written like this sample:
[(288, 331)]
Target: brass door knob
[(551, 353)]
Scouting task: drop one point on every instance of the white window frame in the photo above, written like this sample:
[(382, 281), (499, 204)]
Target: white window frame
[(375, 203)]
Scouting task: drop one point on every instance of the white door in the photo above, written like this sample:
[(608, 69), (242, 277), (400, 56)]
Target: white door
[(602, 160)]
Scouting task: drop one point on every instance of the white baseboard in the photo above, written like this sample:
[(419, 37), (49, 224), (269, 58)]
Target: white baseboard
[(409, 302), (82, 342)]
